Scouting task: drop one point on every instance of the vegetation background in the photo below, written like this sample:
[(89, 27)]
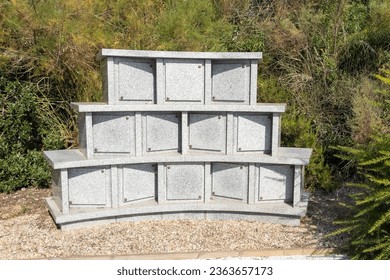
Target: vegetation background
[(328, 60)]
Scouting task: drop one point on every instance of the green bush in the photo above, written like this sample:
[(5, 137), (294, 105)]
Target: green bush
[(363, 50), (369, 224), (27, 127), (297, 132)]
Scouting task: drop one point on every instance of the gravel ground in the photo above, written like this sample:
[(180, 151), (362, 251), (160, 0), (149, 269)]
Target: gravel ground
[(28, 232)]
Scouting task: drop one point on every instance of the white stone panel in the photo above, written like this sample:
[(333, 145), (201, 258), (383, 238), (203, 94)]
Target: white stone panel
[(207, 132), (139, 182), (231, 81), (162, 132), (230, 181), (254, 133), (88, 186), (276, 183), (184, 80), (113, 133), (184, 181), (135, 80)]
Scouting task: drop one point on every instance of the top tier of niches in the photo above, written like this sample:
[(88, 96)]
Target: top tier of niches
[(157, 77)]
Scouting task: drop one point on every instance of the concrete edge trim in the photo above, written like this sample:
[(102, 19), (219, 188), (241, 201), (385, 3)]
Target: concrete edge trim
[(204, 255)]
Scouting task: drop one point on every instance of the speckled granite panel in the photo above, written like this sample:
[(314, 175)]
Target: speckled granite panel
[(162, 132), (184, 181), (113, 133), (88, 186), (139, 182), (207, 132), (184, 80), (276, 182), (230, 81), (254, 133), (136, 80), (230, 181)]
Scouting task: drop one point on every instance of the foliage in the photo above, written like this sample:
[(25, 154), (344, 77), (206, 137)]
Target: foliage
[(364, 50), (247, 34), (318, 57), (27, 127), (297, 132), (190, 25), (369, 226)]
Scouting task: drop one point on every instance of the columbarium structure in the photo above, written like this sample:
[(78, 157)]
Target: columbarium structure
[(178, 136)]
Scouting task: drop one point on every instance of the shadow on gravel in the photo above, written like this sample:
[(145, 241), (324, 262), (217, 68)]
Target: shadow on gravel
[(323, 210)]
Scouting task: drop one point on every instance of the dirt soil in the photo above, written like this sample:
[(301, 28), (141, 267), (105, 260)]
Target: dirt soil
[(28, 232)]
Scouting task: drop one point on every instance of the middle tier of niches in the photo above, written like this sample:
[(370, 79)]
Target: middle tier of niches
[(154, 77), (151, 130)]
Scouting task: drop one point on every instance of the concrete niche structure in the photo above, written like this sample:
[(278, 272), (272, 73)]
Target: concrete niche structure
[(178, 136)]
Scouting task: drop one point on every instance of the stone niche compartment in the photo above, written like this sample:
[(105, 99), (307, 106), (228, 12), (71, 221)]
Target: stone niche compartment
[(207, 132), (89, 187), (276, 183), (230, 181), (161, 132), (184, 80), (184, 182), (231, 81), (137, 182), (134, 80), (254, 133), (113, 133)]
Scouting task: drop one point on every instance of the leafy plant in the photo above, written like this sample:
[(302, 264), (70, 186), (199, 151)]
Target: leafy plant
[(369, 226)]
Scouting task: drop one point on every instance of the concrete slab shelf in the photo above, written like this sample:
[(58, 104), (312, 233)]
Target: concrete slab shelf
[(176, 54), (62, 159), (104, 107)]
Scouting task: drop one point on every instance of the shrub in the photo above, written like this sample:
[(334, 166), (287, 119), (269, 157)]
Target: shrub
[(363, 51), (369, 225), (27, 127), (297, 132)]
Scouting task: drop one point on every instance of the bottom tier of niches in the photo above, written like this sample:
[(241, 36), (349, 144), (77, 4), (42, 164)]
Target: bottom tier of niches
[(251, 191)]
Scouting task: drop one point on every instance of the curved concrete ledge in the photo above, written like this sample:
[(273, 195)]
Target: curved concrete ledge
[(74, 158), (282, 213)]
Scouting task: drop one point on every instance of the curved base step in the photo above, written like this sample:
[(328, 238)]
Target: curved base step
[(281, 213)]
